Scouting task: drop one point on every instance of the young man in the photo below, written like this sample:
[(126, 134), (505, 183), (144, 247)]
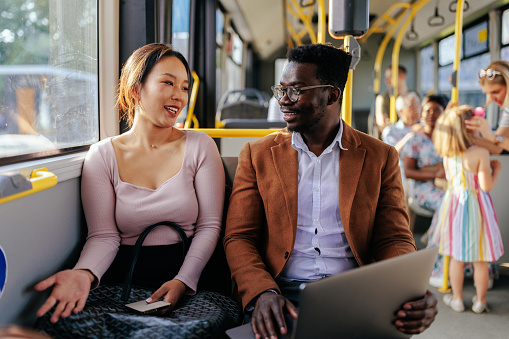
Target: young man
[(383, 101), (284, 223)]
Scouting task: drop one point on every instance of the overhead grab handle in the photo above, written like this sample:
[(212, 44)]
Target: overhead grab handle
[(412, 35), (306, 3), (454, 4), (437, 19)]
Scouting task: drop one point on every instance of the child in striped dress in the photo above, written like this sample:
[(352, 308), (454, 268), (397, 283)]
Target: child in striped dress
[(466, 227)]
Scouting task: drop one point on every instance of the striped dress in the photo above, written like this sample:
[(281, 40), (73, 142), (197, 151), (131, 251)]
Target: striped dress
[(466, 226)]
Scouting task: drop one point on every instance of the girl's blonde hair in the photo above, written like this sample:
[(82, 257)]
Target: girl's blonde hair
[(501, 79), (450, 135), (135, 72)]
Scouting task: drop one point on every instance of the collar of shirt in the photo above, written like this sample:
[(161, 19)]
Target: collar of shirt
[(299, 145)]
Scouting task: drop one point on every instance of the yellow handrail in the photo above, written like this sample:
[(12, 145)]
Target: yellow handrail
[(458, 32), (395, 56), (298, 12), (386, 19), (40, 178), (236, 132), (192, 102), (346, 106), (321, 22)]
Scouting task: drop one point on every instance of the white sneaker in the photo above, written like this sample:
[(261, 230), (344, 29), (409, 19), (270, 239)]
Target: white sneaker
[(479, 307), (456, 305), (438, 282)]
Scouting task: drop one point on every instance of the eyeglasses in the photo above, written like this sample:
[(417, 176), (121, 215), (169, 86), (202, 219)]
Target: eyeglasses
[(488, 73), (292, 92)]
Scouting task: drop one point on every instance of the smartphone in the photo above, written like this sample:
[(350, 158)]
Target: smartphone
[(145, 308)]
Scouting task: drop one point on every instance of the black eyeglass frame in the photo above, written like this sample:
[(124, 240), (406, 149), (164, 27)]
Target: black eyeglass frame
[(489, 73), (280, 91)]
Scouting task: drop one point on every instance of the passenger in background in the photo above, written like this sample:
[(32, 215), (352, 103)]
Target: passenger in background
[(315, 199), (466, 226), (383, 101), (150, 174), (408, 107), (421, 164), (494, 81), (274, 112)]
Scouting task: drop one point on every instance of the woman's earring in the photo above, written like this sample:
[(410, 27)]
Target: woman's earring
[(136, 107)]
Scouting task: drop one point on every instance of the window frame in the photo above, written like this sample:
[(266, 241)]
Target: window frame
[(66, 163), (102, 9)]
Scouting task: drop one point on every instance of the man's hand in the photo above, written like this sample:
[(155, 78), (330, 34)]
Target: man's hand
[(269, 307), (416, 316)]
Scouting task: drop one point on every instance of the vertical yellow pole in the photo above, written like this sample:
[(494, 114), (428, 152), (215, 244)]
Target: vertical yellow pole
[(458, 32), (445, 282), (346, 107), (321, 22)]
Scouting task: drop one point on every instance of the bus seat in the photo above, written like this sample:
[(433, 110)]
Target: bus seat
[(216, 275), (418, 215)]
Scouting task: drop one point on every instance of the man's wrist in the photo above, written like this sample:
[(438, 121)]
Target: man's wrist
[(250, 307)]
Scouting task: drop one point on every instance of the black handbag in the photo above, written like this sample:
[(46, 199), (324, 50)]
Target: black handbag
[(204, 315)]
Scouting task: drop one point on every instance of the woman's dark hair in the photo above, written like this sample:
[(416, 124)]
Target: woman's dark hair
[(439, 99), (136, 70)]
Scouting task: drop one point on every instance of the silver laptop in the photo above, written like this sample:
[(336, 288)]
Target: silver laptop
[(360, 303)]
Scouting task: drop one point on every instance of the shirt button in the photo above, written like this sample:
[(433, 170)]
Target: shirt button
[(315, 242), (315, 219), (316, 189), (317, 161)]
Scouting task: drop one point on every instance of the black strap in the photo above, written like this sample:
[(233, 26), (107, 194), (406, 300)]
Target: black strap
[(137, 247)]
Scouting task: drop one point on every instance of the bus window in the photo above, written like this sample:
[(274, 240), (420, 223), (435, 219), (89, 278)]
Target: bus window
[(427, 70), (180, 36), (48, 76), (476, 39), (504, 52)]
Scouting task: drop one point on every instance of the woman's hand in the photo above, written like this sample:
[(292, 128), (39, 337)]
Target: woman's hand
[(171, 292), (70, 292), (482, 126)]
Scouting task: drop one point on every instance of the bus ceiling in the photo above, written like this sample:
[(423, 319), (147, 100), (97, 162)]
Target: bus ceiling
[(272, 25)]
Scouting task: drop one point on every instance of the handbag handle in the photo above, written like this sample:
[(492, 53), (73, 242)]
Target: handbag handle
[(137, 247)]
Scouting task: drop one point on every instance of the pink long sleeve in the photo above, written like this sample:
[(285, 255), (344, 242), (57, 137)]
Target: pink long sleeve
[(117, 212)]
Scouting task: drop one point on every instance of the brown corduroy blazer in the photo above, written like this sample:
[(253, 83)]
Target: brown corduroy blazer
[(262, 214)]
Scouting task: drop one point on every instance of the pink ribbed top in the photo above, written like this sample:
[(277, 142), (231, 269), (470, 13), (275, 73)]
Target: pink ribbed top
[(117, 212)]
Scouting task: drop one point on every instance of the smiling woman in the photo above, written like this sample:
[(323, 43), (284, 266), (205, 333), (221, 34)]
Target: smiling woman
[(494, 80), (149, 175)]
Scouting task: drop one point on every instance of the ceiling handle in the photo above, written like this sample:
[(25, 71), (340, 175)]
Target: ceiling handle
[(454, 4)]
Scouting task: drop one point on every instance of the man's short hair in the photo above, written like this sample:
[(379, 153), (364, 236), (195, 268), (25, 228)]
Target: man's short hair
[(402, 100), (332, 64), (401, 69)]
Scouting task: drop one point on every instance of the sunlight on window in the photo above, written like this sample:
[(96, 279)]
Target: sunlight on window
[(48, 75)]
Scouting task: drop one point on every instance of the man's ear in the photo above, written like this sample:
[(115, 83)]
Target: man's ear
[(334, 95)]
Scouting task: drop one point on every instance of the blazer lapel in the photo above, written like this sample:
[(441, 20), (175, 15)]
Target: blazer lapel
[(285, 160), (350, 166)]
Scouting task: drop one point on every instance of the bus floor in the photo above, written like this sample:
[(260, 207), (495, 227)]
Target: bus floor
[(467, 324)]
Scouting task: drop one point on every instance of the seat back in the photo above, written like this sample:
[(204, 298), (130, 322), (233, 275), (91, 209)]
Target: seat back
[(216, 275)]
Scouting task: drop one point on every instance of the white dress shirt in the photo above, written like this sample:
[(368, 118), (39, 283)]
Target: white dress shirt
[(321, 248)]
